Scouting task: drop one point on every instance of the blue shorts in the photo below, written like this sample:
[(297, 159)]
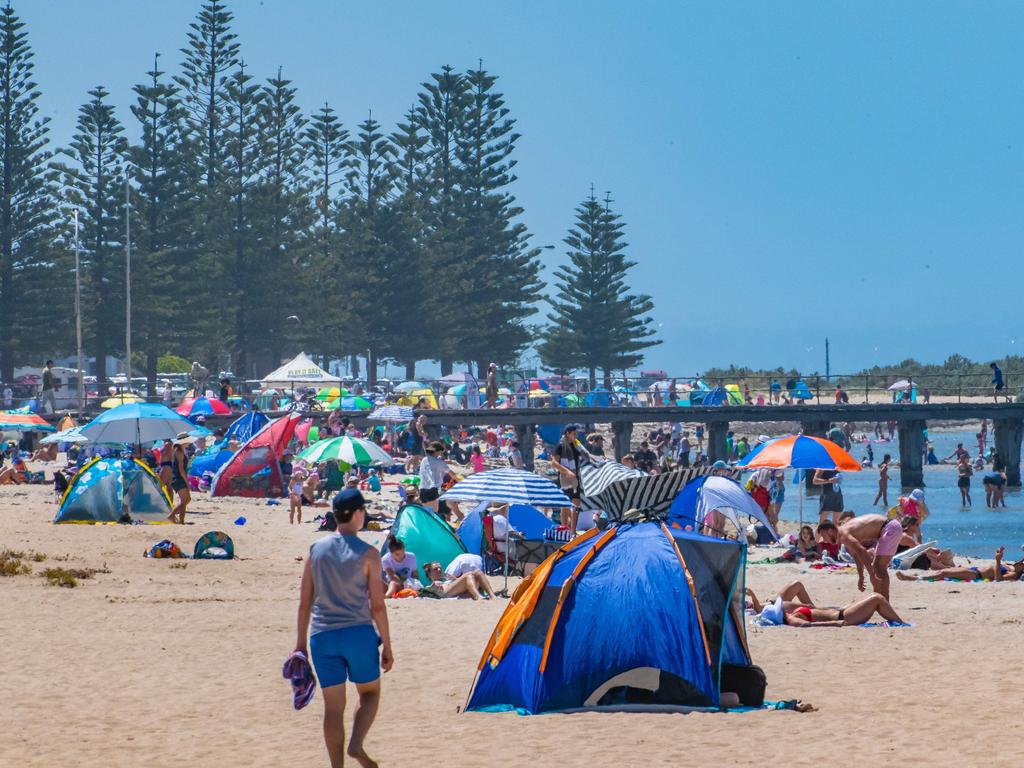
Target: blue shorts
[(349, 653)]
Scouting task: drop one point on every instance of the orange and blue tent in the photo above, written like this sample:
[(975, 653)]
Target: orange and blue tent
[(638, 614)]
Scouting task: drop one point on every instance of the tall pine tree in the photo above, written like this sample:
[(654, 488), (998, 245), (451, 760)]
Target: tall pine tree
[(595, 323), (94, 184), (499, 276), (285, 218), (166, 257), (371, 241), (243, 169), (27, 271), (439, 111)]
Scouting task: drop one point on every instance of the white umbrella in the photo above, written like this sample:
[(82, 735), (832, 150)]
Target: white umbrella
[(73, 435), (901, 384)]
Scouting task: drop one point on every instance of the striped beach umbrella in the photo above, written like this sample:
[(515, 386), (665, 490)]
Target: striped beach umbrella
[(347, 450), (24, 422), (391, 413), (617, 489), (800, 452), (508, 486)]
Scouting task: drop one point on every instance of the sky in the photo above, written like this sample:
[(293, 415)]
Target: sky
[(787, 172)]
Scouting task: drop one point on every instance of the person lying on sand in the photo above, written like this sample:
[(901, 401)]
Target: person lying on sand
[(793, 606), (472, 583), (994, 572), (872, 540)]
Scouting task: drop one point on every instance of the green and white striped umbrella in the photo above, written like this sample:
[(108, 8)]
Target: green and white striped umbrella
[(347, 450)]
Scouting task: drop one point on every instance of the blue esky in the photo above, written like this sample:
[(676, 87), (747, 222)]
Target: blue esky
[(787, 171)]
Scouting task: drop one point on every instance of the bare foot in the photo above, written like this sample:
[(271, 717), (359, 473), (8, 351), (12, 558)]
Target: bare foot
[(361, 757), (905, 577)]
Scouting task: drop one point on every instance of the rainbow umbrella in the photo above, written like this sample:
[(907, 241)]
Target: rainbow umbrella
[(331, 393), (800, 452), (24, 422)]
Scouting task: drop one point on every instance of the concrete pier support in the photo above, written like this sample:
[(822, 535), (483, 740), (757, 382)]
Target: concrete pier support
[(526, 434), (1007, 435), (911, 434), (622, 435), (717, 434)]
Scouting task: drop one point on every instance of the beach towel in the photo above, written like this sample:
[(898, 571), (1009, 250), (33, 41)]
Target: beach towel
[(165, 548), (214, 545), (299, 672)]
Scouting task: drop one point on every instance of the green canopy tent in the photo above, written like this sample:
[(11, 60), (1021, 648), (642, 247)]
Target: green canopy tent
[(427, 536)]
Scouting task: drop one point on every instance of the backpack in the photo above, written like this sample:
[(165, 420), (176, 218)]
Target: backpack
[(214, 545)]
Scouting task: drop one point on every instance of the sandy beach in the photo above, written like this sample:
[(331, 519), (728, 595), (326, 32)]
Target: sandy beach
[(160, 662)]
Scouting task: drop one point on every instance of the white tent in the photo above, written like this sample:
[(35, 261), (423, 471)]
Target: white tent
[(299, 372)]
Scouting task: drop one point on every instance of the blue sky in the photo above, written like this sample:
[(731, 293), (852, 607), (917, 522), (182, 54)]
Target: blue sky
[(787, 171)]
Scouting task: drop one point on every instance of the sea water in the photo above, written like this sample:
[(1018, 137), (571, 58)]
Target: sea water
[(973, 532)]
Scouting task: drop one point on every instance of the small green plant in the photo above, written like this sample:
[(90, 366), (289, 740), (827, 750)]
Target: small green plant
[(11, 563), (179, 565), (69, 577)]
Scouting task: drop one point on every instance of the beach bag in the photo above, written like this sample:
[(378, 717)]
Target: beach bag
[(214, 545), (747, 682), (164, 549)]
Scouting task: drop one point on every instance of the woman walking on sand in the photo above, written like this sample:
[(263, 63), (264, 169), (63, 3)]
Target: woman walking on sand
[(179, 478), (341, 601), (883, 482)]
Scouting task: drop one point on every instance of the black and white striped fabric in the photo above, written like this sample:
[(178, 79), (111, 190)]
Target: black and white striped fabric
[(616, 489)]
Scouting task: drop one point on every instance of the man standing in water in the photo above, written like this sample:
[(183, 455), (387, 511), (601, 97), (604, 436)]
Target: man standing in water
[(343, 593)]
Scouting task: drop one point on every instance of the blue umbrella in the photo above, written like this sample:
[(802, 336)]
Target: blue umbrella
[(391, 413), (508, 486), (136, 423)]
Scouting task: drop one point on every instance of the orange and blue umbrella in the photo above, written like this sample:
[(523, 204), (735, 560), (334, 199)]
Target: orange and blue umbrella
[(24, 422), (800, 452)]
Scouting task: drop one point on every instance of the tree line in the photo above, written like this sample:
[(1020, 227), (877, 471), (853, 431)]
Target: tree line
[(257, 229)]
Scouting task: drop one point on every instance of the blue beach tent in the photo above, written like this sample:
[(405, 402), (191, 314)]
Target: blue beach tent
[(245, 426), (640, 615), (526, 519), (114, 491)]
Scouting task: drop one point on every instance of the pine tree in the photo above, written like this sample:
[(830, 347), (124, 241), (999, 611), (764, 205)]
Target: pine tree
[(440, 110), (595, 323), (243, 168), (627, 313), (324, 140), (285, 218), (211, 56), (413, 272), (165, 252), (95, 185), (371, 240), (500, 273), (26, 208)]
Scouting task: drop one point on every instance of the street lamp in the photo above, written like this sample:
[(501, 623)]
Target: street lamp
[(128, 278)]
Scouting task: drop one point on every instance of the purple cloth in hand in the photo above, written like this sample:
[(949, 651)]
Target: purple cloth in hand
[(298, 670)]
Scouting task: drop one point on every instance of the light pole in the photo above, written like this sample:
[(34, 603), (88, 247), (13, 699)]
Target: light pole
[(78, 320), (128, 278)]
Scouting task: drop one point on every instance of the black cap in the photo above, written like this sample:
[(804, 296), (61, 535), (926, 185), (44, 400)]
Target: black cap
[(348, 501)]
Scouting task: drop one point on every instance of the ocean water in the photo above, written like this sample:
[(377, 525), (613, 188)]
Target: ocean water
[(973, 532)]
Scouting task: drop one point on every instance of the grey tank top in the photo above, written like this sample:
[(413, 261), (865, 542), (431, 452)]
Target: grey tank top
[(340, 590)]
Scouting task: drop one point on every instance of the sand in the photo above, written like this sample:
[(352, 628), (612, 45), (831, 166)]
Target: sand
[(152, 664)]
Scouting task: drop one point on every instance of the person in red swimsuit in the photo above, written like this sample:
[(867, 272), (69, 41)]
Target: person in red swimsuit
[(793, 606)]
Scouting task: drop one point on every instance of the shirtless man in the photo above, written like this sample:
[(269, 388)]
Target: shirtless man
[(881, 534)]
